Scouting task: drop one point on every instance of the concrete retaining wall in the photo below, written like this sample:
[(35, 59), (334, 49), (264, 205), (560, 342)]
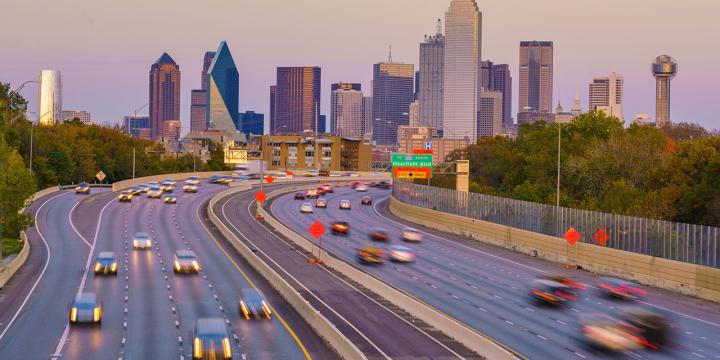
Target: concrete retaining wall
[(690, 279), (314, 318), (7, 272), (462, 333), (120, 185)]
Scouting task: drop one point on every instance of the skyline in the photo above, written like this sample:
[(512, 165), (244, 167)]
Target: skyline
[(84, 62)]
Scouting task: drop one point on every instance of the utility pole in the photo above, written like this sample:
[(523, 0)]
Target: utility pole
[(133, 163)]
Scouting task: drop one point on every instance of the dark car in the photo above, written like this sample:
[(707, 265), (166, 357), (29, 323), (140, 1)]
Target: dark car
[(340, 228), (211, 339), (383, 185), (619, 289), (299, 195), (551, 292), (106, 263), (379, 235), (370, 255), (653, 329), (373, 184), (86, 309), (215, 179), (366, 200), (253, 304)]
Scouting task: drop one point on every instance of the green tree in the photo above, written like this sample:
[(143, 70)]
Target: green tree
[(16, 189)]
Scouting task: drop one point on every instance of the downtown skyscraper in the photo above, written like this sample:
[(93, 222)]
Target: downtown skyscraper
[(347, 115), (222, 92), (496, 77), (536, 81), (198, 97), (295, 100), (664, 69), (50, 98), (430, 84), (461, 72), (606, 94), (164, 101), (393, 91)]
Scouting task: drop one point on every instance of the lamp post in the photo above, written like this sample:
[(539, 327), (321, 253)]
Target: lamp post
[(17, 91), (557, 195)]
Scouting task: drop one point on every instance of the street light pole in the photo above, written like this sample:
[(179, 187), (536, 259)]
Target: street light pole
[(133, 163), (557, 195)]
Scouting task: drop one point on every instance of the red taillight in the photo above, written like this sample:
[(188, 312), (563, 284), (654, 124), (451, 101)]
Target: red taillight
[(634, 289), (566, 295)]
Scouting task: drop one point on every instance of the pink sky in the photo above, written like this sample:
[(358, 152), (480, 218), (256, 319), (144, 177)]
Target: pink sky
[(104, 49)]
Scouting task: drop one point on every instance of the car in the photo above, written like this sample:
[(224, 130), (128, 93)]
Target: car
[(604, 332), (383, 185), (378, 235), (211, 339), (153, 184), (253, 304), (190, 188), (226, 179), (373, 184), (311, 193), (324, 173), (399, 253), (566, 281), (85, 309), (167, 187), (335, 174), (361, 188), (355, 184), (106, 263), (411, 235), (169, 199), (299, 195), (193, 180), (652, 329), (142, 240), (125, 196), (321, 203), (215, 179), (340, 228), (320, 191), (82, 188), (344, 205), (170, 182), (354, 175), (137, 190), (619, 289), (154, 193), (328, 188), (144, 188), (370, 255), (366, 200), (311, 173), (306, 208), (550, 292), (186, 262)]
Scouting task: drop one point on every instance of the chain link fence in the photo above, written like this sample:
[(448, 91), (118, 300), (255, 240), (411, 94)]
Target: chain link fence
[(695, 244)]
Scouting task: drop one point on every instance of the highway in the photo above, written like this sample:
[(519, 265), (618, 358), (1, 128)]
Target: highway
[(487, 287), (378, 329), (148, 311)]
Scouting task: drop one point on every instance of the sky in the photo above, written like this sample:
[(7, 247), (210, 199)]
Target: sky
[(104, 49)]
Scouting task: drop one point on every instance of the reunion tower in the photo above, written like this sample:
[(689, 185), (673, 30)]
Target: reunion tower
[(664, 69)]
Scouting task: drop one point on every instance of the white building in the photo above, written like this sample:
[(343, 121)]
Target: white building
[(50, 98), (605, 94), (576, 108), (491, 112), (84, 116), (414, 113), (347, 111), (461, 72)]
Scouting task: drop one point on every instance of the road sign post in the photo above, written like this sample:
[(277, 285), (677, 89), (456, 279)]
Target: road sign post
[(317, 230), (100, 176), (416, 166)]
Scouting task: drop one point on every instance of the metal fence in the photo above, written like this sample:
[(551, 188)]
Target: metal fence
[(695, 244)]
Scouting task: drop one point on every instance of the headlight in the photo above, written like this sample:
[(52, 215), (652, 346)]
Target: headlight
[(196, 265), (135, 243), (226, 348), (96, 314), (97, 267), (244, 310), (73, 314), (177, 265), (114, 266), (266, 307), (197, 348)]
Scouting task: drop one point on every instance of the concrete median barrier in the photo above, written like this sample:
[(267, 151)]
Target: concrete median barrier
[(125, 184), (690, 279), (464, 334), (8, 271)]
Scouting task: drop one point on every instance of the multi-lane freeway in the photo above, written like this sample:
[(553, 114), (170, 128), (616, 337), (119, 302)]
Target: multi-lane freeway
[(148, 312), (487, 287)]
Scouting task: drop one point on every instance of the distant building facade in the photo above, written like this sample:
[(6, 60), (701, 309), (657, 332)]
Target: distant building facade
[(536, 78), (273, 90), (83, 116), (50, 98), (392, 95), (198, 97), (502, 82), (347, 115), (430, 86), (164, 101), (171, 131), (251, 123), (576, 108), (410, 138), (527, 117), (296, 105), (606, 94), (334, 153), (137, 126), (222, 93), (367, 116), (562, 117), (490, 114)]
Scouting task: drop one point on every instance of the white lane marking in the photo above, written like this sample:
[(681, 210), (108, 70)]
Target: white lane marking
[(47, 262), (73, 225), (698, 355), (580, 355), (540, 336), (532, 268), (66, 332)]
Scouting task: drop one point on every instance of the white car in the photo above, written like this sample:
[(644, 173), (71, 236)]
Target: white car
[(411, 235), (154, 193), (193, 180), (306, 208), (141, 240), (345, 205), (401, 253), (361, 188)]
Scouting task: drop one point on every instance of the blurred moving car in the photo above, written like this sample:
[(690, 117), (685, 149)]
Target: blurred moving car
[(340, 228), (167, 187), (328, 188), (136, 189), (299, 195), (619, 289), (355, 184), (566, 281), (211, 339), (401, 253), (311, 173), (378, 235), (373, 184), (551, 292), (169, 199), (411, 235), (186, 262), (306, 208), (370, 255), (345, 205), (366, 200), (215, 179), (190, 188), (105, 263), (335, 174), (361, 188), (170, 181), (141, 240), (143, 188), (226, 179), (85, 309), (82, 188), (383, 185), (125, 196), (312, 193), (253, 304), (321, 202), (602, 331), (653, 329), (154, 193), (193, 180)]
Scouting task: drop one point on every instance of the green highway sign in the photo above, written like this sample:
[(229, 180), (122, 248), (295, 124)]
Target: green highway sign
[(417, 162)]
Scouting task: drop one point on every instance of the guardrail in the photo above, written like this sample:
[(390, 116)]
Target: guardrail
[(469, 337)]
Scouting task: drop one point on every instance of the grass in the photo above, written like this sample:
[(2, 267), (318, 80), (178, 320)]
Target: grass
[(11, 246)]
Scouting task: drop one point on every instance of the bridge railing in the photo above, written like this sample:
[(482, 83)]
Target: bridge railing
[(694, 244)]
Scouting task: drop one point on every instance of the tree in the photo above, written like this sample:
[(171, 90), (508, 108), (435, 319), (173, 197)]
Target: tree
[(16, 189)]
